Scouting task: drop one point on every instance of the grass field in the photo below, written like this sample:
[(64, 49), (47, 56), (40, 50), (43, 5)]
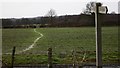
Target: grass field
[(63, 41)]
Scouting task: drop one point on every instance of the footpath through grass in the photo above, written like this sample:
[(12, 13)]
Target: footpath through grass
[(63, 41)]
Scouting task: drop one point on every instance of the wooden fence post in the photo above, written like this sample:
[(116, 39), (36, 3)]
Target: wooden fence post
[(13, 56), (73, 58), (49, 57)]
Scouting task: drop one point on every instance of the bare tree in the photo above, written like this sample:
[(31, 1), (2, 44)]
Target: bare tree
[(51, 14), (89, 7)]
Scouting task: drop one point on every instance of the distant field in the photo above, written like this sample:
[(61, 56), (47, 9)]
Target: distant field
[(63, 41)]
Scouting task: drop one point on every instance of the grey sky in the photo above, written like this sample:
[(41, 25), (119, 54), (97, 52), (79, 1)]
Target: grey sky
[(34, 8)]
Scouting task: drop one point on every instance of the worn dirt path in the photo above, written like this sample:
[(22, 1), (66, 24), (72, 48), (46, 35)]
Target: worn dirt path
[(32, 45)]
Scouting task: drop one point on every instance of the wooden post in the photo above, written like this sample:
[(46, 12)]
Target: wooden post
[(73, 58), (98, 37), (13, 56), (49, 57)]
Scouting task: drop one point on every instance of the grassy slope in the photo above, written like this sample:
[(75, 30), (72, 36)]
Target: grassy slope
[(63, 41)]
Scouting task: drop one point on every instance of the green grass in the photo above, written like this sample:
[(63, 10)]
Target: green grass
[(63, 41), (21, 38)]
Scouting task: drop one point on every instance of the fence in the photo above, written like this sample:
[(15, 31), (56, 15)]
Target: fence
[(49, 61), (76, 62)]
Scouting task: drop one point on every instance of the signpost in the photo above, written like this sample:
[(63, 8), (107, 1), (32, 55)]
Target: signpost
[(99, 9), (98, 37)]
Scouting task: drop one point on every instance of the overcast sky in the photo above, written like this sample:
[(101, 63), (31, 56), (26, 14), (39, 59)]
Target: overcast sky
[(34, 8)]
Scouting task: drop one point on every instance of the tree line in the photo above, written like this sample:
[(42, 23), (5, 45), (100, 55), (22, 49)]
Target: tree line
[(60, 21)]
